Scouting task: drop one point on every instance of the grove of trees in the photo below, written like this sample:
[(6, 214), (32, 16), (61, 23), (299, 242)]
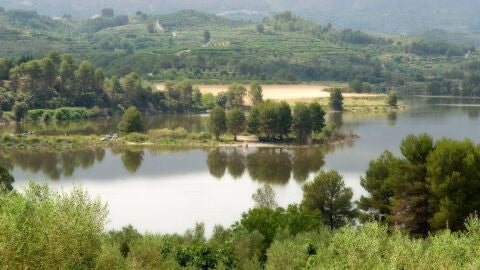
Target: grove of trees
[(431, 187), (274, 120), (59, 81)]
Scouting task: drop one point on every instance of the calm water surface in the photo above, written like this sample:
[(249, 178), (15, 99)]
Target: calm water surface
[(169, 190)]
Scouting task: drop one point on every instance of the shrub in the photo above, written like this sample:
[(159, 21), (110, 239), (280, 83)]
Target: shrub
[(35, 115), (158, 135), (200, 136), (132, 121), (136, 137), (286, 254), (53, 230)]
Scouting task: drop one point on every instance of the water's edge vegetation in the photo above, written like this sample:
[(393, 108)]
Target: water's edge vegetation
[(44, 228)]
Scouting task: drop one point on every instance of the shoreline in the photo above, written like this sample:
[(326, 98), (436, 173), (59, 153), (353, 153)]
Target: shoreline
[(78, 142)]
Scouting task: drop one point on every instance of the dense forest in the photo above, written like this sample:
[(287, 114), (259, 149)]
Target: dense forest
[(320, 232)]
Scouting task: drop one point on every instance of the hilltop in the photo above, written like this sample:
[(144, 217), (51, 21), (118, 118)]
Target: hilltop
[(392, 16), (282, 48)]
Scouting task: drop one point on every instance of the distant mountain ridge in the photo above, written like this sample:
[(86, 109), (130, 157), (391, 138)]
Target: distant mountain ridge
[(391, 16)]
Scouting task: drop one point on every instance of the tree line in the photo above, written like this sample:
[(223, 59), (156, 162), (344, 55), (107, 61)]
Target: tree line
[(432, 186), (468, 87), (59, 81), (274, 120)]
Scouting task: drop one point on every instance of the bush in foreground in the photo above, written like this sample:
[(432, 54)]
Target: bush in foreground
[(44, 229)]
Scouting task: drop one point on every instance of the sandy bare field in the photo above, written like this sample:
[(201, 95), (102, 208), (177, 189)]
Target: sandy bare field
[(281, 92)]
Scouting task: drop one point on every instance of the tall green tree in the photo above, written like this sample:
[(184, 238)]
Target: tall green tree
[(410, 203), (256, 93), (222, 99), (236, 95), (336, 100), (236, 122), (196, 98), (268, 115), (377, 182), (253, 124), (133, 90), (85, 84), (328, 194), (284, 119), (67, 74), (392, 100), (318, 117), (185, 89), (454, 183), (302, 122), (49, 72), (217, 122), (132, 121)]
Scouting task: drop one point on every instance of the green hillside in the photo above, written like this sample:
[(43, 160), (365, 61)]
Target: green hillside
[(283, 48)]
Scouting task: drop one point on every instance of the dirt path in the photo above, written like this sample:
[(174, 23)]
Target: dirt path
[(282, 92)]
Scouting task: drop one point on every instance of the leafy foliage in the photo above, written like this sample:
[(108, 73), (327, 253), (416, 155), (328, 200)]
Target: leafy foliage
[(328, 194), (217, 122), (44, 229), (236, 122), (336, 100), (132, 121)]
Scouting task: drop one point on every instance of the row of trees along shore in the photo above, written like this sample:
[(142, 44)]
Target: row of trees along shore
[(272, 119), (58, 81), (420, 205)]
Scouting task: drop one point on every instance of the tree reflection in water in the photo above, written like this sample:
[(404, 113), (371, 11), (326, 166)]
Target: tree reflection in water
[(55, 165), (217, 163), (132, 159), (267, 165), (236, 163), (392, 118)]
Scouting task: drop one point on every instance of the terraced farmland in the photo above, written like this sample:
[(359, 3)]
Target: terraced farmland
[(285, 51)]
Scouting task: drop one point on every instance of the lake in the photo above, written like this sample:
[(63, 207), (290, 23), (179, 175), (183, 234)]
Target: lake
[(169, 190)]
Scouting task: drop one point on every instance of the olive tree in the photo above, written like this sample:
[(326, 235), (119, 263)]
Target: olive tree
[(45, 229), (265, 197)]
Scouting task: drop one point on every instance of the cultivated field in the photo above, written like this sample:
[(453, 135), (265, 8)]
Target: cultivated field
[(298, 92)]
